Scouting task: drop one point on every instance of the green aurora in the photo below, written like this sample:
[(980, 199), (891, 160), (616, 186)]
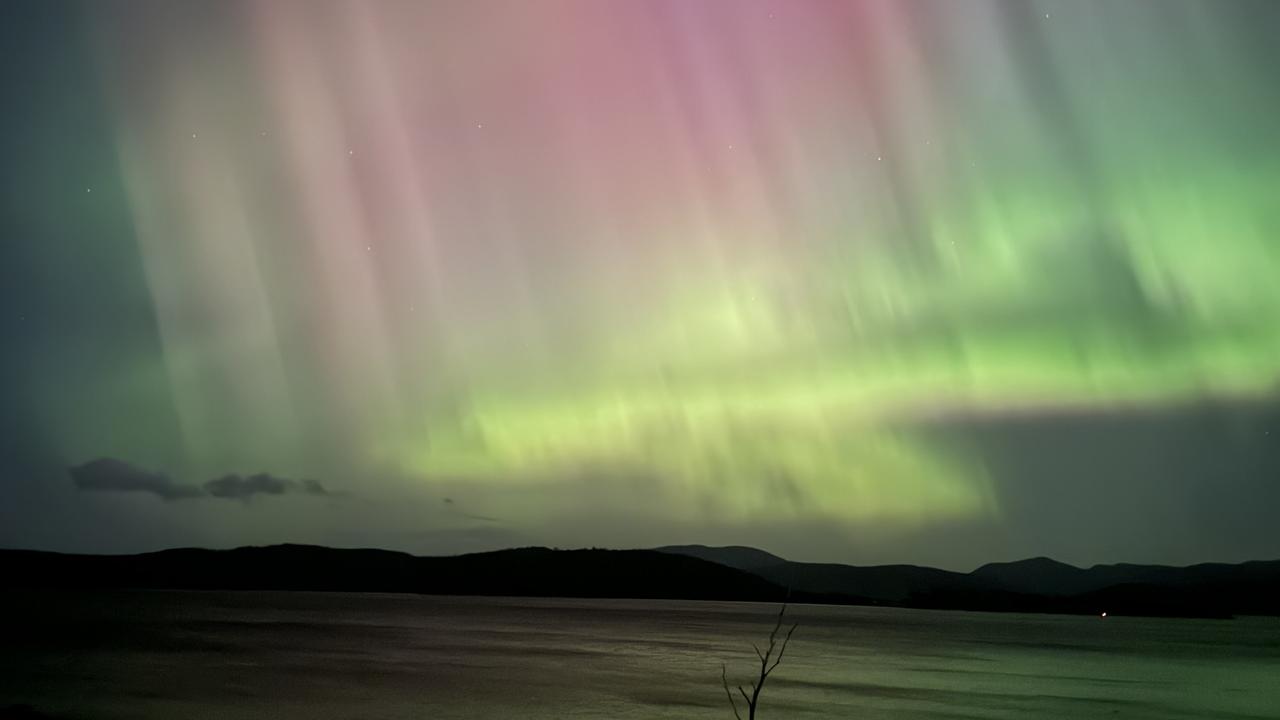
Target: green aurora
[(760, 266)]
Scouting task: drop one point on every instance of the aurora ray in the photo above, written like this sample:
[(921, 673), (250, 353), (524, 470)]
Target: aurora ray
[(723, 263)]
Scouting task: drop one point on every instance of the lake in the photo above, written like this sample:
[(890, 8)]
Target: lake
[(198, 655)]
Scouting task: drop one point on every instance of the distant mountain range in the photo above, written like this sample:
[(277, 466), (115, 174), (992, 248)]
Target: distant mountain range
[(1034, 585), (693, 572)]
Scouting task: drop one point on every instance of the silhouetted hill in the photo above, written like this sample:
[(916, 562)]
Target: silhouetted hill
[(1039, 575), (676, 572), (735, 556), (887, 584), (524, 571), (1039, 585), (593, 573), (880, 584), (1246, 586)]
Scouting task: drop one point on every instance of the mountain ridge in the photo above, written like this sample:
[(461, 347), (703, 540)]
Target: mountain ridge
[(1042, 584), (689, 572)]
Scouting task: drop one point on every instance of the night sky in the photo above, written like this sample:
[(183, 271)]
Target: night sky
[(932, 282)]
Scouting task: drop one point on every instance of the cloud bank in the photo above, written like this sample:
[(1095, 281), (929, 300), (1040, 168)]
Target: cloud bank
[(237, 486), (113, 475)]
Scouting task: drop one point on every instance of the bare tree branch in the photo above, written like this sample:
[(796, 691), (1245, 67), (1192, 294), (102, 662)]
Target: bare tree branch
[(753, 700), (724, 680), (782, 651)]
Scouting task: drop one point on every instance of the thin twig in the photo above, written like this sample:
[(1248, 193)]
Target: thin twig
[(783, 650), (753, 700), (724, 680)]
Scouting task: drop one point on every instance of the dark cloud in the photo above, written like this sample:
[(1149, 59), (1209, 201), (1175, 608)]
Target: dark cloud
[(112, 475), (1192, 482), (242, 487)]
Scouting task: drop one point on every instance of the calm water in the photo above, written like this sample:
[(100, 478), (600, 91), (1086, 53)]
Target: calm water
[(191, 656)]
